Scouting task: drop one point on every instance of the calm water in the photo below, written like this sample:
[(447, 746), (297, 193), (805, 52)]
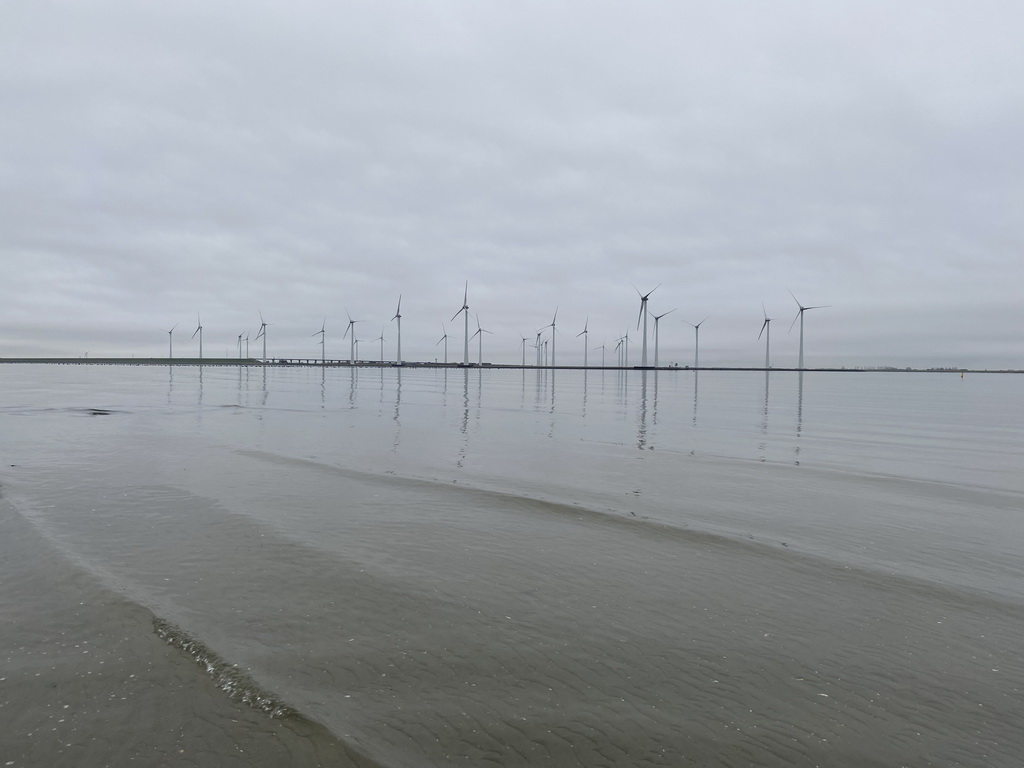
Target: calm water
[(417, 567)]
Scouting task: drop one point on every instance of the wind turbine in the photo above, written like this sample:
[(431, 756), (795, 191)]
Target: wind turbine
[(352, 341), (480, 342), (199, 330), (766, 331), (539, 347), (696, 341), (263, 333), (246, 345), (603, 347), (444, 338), (656, 319), (322, 333), (239, 346), (553, 332), (584, 333), (800, 317), (381, 340), (523, 345), (465, 310), (643, 314), (398, 317), (170, 342)]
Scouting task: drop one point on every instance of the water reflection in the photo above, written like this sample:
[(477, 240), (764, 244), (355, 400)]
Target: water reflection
[(464, 425), (799, 414), (695, 379), (630, 411), (583, 405), (398, 410), (763, 445), (641, 438)]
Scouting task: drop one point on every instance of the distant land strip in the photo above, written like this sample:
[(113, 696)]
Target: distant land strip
[(317, 363)]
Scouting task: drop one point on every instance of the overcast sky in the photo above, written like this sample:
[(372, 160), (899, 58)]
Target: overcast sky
[(304, 159)]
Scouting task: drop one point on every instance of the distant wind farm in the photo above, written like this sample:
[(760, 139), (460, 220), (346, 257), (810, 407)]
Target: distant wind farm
[(651, 327)]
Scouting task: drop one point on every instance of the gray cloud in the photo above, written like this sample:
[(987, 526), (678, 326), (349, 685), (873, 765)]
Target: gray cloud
[(167, 160)]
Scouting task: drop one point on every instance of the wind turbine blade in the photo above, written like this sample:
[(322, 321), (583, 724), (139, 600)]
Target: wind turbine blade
[(797, 317), (763, 326), (398, 312)]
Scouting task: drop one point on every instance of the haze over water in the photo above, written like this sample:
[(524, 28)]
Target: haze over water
[(413, 567)]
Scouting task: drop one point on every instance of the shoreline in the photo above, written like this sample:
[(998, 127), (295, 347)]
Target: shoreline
[(315, 363)]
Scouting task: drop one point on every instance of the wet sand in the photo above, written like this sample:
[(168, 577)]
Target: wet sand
[(424, 624), (86, 681)]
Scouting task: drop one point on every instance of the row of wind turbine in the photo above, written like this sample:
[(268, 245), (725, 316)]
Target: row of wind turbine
[(622, 345)]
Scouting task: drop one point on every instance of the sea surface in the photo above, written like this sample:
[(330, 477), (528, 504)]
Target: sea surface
[(295, 566)]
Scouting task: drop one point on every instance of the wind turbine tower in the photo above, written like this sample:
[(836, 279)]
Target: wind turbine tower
[(398, 317), (465, 310), (351, 331), (322, 333), (199, 330), (696, 341), (583, 333), (263, 333), (643, 314), (170, 342), (552, 327), (800, 317), (444, 338), (656, 319), (480, 342), (766, 330)]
